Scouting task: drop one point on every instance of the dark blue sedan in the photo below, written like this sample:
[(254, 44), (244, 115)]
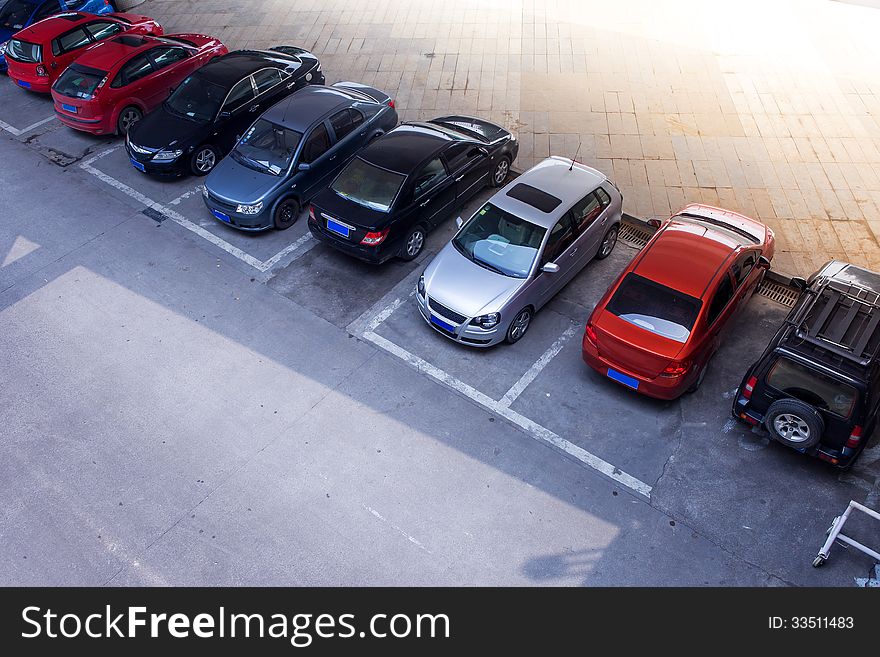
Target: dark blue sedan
[(16, 15), (293, 151)]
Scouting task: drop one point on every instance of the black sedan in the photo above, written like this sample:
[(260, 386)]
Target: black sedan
[(210, 110), (406, 182)]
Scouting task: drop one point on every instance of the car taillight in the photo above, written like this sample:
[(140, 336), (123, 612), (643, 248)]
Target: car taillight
[(312, 213), (854, 438), (749, 387), (591, 335), (390, 103), (42, 72), (676, 368), (375, 238)]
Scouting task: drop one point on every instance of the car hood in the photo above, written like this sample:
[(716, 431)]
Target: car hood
[(238, 183), (466, 287), (162, 129)]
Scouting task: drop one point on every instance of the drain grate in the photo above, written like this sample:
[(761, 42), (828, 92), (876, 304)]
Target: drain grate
[(633, 235), (778, 293)]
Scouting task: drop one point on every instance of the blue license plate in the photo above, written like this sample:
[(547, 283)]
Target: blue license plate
[(442, 324), (22, 83), (338, 228), (623, 378), (137, 165), (220, 215), (69, 108)]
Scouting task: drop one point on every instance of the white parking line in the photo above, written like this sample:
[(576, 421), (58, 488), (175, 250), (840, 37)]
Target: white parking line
[(517, 388), (17, 132), (288, 254), (535, 430)]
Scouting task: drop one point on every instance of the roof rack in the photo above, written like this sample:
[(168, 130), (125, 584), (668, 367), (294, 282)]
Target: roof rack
[(843, 320)]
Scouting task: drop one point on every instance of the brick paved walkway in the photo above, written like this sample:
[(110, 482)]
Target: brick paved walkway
[(770, 108)]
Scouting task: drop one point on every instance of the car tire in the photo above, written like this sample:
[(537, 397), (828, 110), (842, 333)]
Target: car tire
[(696, 384), (609, 241), (286, 213), (127, 118), (413, 244), (203, 160), (501, 172), (519, 325), (794, 423)]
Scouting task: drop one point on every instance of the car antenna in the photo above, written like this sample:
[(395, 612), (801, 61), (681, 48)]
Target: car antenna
[(575, 155)]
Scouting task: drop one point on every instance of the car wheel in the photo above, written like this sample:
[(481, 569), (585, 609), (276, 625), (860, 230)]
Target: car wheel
[(608, 243), (127, 118), (286, 214), (203, 160), (413, 244), (519, 325), (794, 423), (500, 172), (696, 385)]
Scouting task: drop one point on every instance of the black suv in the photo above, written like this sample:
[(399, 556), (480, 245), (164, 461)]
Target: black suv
[(816, 386)]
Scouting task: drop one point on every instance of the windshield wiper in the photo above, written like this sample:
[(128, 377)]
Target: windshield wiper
[(252, 163), (489, 266)]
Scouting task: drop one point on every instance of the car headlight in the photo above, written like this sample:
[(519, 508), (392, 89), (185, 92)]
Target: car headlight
[(489, 321), (249, 209), (167, 156), (422, 285)]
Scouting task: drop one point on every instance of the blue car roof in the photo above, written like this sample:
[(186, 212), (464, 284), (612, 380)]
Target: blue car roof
[(302, 109)]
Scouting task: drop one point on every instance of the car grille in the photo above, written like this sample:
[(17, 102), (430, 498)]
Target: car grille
[(221, 203), (442, 310), (141, 150)]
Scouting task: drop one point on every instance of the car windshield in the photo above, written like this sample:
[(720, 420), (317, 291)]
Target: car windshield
[(196, 99), (79, 81), (812, 387), (15, 14), (368, 185), (24, 51), (655, 307), (267, 147), (500, 241)]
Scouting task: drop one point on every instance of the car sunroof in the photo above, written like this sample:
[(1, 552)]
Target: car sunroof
[(130, 40), (73, 18), (535, 197)]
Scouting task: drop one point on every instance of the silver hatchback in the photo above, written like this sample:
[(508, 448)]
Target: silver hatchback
[(518, 250)]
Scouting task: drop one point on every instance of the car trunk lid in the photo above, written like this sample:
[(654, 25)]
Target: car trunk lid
[(633, 348)]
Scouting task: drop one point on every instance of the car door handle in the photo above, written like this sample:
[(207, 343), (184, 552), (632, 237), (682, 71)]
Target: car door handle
[(254, 108), (571, 255), (424, 203), (459, 178), (332, 157)]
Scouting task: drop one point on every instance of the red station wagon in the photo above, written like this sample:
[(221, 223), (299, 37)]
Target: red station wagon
[(111, 86), (39, 54), (660, 322)]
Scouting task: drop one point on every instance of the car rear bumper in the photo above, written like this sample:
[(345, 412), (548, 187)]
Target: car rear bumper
[(95, 126), (38, 85), (666, 388), (373, 254), (471, 336)]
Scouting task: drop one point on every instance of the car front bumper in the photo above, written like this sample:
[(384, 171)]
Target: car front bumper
[(471, 336), (178, 167), (251, 223)]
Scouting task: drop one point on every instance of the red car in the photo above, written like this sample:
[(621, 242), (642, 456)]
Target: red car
[(112, 85), (660, 322), (38, 54)]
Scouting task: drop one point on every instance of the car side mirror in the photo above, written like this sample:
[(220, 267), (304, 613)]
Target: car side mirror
[(764, 263), (459, 222), (655, 223), (799, 283), (303, 166), (550, 268), (479, 150)]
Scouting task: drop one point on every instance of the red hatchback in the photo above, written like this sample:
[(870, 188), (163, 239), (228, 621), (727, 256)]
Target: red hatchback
[(39, 54), (660, 322), (111, 86)]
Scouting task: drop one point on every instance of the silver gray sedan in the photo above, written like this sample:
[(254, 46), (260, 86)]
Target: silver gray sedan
[(518, 250)]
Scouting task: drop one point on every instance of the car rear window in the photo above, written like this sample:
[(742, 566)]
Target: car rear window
[(79, 81), (22, 51), (812, 387), (655, 307), (368, 185)]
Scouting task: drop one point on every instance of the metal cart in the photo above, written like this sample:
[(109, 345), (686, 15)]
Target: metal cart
[(835, 535)]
